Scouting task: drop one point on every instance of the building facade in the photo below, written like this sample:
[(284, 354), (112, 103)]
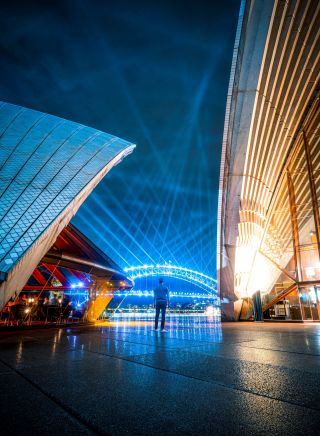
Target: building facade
[(269, 196), (48, 167)]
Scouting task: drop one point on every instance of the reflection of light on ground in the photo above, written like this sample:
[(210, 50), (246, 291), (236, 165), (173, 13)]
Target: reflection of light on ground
[(190, 326), (127, 323), (20, 351)]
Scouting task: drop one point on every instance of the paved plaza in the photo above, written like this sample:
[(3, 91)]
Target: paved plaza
[(200, 377)]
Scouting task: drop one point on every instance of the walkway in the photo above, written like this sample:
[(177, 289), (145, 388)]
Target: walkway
[(199, 378)]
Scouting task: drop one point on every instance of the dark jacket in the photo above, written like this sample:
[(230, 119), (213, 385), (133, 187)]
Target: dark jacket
[(161, 293)]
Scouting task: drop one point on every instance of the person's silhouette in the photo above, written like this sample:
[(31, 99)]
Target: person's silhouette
[(161, 302)]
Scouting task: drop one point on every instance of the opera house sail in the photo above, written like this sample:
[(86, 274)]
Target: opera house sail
[(48, 167), (269, 195)]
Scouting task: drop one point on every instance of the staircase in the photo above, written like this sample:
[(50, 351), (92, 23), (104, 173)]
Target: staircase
[(279, 297)]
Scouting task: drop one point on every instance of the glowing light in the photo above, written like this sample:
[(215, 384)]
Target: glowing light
[(173, 294), (310, 272), (253, 271), (313, 295), (205, 282), (210, 311), (251, 268)]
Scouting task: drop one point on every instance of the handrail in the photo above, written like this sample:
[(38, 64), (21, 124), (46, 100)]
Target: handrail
[(279, 297)]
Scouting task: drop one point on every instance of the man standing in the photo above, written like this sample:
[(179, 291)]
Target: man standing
[(161, 301)]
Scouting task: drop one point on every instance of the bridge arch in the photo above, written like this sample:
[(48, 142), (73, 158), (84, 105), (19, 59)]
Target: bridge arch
[(206, 283)]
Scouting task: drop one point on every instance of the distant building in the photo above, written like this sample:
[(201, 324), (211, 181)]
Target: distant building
[(269, 196), (48, 167)]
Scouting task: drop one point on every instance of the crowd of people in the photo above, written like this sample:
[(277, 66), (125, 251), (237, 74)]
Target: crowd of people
[(26, 308)]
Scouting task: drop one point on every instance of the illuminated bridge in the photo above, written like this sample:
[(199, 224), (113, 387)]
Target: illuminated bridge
[(204, 282), (142, 293)]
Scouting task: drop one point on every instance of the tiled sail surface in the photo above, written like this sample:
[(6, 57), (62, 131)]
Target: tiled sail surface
[(45, 163)]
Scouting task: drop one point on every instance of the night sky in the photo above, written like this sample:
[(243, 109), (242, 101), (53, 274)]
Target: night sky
[(154, 73)]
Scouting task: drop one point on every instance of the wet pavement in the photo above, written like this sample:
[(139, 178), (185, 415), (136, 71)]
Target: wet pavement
[(200, 377)]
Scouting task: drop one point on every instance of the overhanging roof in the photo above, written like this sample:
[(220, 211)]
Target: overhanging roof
[(74, 250)]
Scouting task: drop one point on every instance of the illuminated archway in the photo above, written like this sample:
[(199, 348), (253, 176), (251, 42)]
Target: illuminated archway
[(206, 283)]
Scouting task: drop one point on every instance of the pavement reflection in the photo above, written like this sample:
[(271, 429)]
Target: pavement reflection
[(200, 377), (193, 327)]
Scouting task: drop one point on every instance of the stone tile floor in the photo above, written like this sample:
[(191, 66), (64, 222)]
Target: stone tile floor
[(201, 377)]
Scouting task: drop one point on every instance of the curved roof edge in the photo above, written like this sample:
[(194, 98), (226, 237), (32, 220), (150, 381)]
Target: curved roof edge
[(48, 167), (248, 55), (225, 142)]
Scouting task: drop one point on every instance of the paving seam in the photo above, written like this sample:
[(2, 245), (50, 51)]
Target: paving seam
[(211, 343), (142, 343), (248, 391), (194, 346), (314, 336), (281, 351), (164, 347), (258, 348), (160, 346), (203, 342), (223, 356), (282, 332), (75, 415), (131, 360), (189, 347), (128, 359)]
